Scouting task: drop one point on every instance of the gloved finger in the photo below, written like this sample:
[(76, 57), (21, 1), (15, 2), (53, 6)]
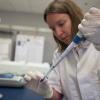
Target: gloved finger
[(27, 77), (39, 75), (94, 10), (88, 16), (84, 22), (92, 17), (86, 26), (32, 75), (35, 75), (92, 24), (85, 29), (92, 38)]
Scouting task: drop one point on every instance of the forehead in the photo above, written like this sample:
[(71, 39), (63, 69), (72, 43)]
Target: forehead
[(55, 17)]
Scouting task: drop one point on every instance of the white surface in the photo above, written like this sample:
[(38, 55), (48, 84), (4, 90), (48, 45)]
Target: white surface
[(29, 48), (22, 68), (38, 6), (5, 49)]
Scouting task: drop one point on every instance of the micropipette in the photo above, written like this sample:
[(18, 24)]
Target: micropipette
[(77, 39)]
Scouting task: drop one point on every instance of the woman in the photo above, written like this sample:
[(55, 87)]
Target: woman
[(75, 78)]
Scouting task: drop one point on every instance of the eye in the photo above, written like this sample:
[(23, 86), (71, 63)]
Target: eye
[(61, 24)]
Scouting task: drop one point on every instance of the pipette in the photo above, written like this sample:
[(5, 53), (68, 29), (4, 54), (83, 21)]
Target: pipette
[(77, 39)]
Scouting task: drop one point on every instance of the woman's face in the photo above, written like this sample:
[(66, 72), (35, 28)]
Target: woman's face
[(61, 26)]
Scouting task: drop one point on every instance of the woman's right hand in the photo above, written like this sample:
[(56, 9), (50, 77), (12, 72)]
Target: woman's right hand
[(42, 88)]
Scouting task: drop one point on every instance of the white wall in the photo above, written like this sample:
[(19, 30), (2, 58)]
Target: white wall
[(85, 5), (26, 19), (34, 20)]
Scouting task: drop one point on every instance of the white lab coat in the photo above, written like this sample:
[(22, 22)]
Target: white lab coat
[(78, 78)]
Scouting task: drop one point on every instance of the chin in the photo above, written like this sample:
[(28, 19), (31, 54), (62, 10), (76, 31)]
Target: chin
[(67, 42)]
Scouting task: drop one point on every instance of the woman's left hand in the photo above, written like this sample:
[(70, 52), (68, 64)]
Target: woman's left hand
[(90, 26)]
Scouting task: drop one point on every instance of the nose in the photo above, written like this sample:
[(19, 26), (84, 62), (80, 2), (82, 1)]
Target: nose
[(59, 31)]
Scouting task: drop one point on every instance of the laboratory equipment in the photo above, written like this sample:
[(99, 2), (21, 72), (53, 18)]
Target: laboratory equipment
[(11, 80), (77, 39)]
